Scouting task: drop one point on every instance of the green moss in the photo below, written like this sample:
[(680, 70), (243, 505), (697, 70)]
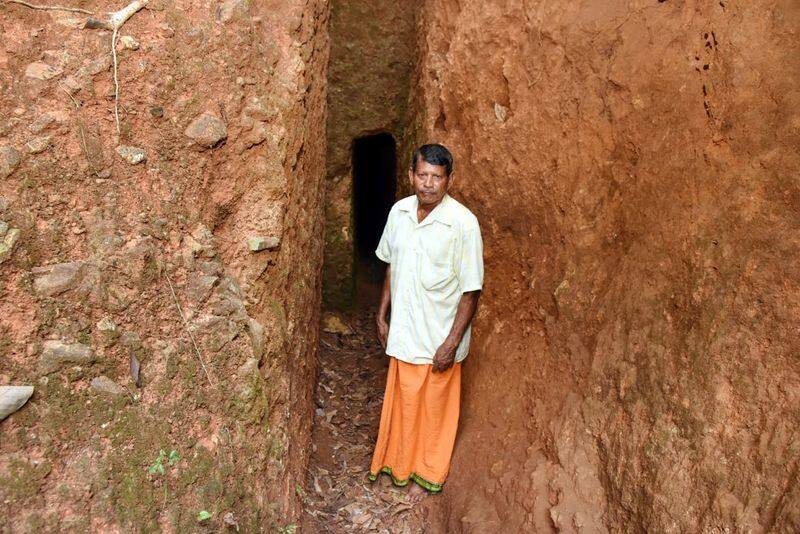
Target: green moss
[(6, 343), (23, 482), (135, 497)]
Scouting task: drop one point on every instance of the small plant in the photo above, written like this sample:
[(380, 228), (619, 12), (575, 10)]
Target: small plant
[(288, 529), (203, 515), (158, 465)]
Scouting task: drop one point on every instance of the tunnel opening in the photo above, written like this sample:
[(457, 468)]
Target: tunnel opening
[(374, 163)]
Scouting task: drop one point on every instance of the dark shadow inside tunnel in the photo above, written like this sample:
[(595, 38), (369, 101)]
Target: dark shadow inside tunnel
[(374, 187)]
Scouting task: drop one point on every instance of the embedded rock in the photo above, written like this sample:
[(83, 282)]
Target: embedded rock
[(42, 71), (57, 355), (38, 144), (51, 280), (9, 239), (12, 398), (131, 154), (207, 130), (103, 384), (230, 9), (9, 159), (259, 243)]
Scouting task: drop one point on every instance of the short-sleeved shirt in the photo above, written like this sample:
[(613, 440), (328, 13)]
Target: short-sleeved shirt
[(433, 263)]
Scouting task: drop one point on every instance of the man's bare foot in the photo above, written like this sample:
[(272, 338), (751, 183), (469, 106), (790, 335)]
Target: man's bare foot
[(416, 493)]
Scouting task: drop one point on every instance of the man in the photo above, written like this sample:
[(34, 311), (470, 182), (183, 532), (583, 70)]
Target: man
[(433, 246)]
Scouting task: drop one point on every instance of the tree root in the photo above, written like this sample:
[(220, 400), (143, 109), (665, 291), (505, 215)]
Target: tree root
[(52, 8), (113, 23)]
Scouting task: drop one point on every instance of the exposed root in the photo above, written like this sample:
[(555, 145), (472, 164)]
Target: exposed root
[(114, 23), (51, 8)]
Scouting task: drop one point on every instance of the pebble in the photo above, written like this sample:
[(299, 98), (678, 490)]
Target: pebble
[(12, 398), (231, 9), (259, 243), (500, 112), (54, 279), (131, 154), (41, 123), (38, 144), (129, 42), (207, 130), (9, 159), (103, 384), (42, 71), (10, 238), (56, 355)]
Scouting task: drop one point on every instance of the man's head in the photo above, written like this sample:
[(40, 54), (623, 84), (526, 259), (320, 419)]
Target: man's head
[(431, 173)]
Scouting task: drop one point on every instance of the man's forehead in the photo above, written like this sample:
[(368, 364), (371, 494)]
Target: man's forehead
[(424, 166)]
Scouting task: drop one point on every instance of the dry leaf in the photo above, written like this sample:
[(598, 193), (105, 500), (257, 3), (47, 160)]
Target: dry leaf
[(135, 370), (230, 520)]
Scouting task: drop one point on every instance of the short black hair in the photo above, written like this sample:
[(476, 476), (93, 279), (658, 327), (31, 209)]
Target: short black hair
[(435, 155)]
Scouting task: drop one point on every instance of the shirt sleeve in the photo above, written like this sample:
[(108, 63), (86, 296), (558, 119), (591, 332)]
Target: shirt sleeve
[(470, 264), (384, 250)]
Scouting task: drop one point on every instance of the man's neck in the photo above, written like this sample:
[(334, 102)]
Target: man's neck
[(425, 210)]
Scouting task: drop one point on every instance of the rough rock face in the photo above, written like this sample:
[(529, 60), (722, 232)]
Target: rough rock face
[(372, 56), (633, 164), (104, 259)]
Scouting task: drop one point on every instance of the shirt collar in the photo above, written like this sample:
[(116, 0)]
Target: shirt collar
[(439, 213)]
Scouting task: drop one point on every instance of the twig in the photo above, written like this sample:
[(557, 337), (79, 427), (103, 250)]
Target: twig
[(186, 325), (81, 130), (116, 78), (77, 107), (53, 8)]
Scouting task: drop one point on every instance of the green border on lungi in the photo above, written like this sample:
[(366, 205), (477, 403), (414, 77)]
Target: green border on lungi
[(430, 486)]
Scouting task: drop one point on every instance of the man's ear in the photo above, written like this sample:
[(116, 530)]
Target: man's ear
[(411, 178), (450, 181)]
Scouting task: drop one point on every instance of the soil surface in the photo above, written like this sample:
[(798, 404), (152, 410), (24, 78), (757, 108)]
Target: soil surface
[(338, 494)]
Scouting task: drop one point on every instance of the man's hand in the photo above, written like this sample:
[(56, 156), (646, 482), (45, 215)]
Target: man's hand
[(383, 331), (445, 357), (383, 308)]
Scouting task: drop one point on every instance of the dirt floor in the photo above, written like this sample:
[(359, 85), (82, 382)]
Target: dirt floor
[(338, 494)]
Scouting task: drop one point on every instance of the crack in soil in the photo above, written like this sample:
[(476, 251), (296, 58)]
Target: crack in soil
[(338, 496)]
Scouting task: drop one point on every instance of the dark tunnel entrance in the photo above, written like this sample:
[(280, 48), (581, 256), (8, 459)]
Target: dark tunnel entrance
[(374, 188)]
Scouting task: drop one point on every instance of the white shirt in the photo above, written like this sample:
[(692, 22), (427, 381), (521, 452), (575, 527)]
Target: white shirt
[(433, 263)]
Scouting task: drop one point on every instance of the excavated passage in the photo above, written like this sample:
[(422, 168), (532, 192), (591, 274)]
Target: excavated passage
[(373, 47), (374, 189)]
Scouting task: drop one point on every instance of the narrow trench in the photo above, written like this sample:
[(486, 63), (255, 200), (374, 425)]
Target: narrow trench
[(349, 395), (369, 79)]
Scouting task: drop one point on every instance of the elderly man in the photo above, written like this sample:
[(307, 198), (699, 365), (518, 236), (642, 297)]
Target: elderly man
[(433, 246)]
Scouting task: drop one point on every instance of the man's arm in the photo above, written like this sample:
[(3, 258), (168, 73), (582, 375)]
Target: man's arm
[(446, 353), (382, 317)]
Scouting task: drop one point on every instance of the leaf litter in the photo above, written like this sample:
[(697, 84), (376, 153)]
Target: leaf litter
[(349, 396)]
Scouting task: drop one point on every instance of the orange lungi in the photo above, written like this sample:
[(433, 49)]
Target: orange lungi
[(419, 419)]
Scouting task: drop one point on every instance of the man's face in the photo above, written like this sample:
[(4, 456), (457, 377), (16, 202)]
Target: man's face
[(430, 182)]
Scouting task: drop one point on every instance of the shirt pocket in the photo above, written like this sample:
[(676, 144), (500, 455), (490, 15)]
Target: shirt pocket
[(435, 261)]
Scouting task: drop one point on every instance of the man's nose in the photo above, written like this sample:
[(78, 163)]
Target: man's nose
[(428, 183)]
